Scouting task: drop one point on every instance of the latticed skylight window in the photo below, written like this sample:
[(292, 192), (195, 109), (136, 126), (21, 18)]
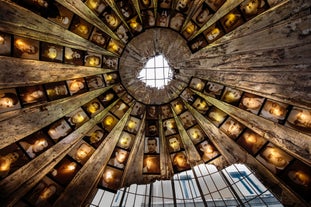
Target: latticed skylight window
[(156, 73)]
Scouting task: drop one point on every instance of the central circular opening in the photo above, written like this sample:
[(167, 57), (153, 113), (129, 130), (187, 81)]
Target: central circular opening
[(149, 66), (156, 72)]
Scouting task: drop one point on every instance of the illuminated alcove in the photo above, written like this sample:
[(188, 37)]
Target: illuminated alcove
[(76, 117)]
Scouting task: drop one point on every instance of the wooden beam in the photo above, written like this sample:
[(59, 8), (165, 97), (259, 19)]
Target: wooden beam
[(134, 174), (193, 155), (17, 20), (92, 170), (33, 119), (22, 180), (280, 85), (288, 33), (16, 72), (79, 8), (222, 11), (234, 153), (295, 143)]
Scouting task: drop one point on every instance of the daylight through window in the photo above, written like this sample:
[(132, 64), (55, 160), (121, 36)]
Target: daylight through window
[(156, 72)]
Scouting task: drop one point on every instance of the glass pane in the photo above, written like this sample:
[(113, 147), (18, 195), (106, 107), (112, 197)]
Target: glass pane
[(156, 69)]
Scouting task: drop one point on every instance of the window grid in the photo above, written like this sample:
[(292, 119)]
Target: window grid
[(156, 73), (222, 195)]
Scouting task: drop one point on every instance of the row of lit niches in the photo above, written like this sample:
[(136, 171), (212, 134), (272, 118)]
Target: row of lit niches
[(294, 172), (27, 48), (21, 97), (169, 14), (285, 114), (18, 154)]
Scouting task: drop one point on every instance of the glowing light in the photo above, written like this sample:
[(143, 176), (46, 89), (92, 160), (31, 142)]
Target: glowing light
[(72, 166), (131, 124), (108, 121), (251, 138)]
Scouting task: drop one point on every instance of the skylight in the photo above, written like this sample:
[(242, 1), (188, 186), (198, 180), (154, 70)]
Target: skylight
[(156, 73)]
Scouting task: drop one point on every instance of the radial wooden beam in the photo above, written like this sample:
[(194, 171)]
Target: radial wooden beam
[(79, 8), (22, 180), (90, 174), (284, 10), (276, 84), (192, 154), (233, 153), (222, 11), (16, 72), (33, 119), (292, 141), (134, 174), (17, 20)]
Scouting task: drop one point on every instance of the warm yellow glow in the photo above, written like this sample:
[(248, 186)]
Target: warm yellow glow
[(78, 118), (109, 96), (133, 24), (93, 4), (68, 56), (124, 141), (109, 175), (209, 149), (277, 111), (20, 43), (199, 86), (108, 121), (47, 192), (82, 29), (131, 124), (217, 116), (195, 135), (178, 107), (230, 20), (83, 151), (302, 178), (5, 166), (170, 125), (190, 29), (251, 138), (113, 47), (52, 132), (71, 167), (202, 105), (93, 61), (1, 40), (52, 54), (301, 116), (92, 109), (41, 142), (109, 77)]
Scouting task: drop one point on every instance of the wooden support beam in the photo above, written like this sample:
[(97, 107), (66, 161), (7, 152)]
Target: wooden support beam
[(91, 172), (294, 58), (295, 143), (222, 11), (288, 33), (33, 119), (233, 153), (17, 20), (192, 154), (79, 8), (134, 174), (22, 180), (16, 72), (280, 85)]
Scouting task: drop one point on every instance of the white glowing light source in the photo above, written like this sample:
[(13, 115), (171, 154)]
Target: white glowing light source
[(156, 73)]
